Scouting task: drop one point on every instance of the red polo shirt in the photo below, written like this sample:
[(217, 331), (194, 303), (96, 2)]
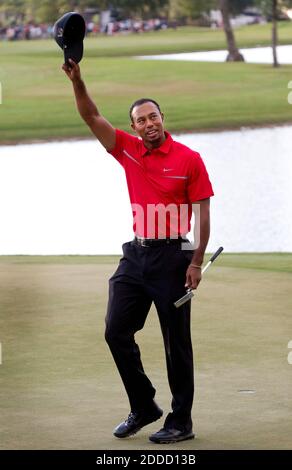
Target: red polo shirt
[(162, 184)]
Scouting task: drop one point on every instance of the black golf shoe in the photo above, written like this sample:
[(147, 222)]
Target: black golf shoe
[(138, 420), (168, 436)]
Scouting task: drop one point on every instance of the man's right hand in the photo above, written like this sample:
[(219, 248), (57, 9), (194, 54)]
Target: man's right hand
[(72, 71)]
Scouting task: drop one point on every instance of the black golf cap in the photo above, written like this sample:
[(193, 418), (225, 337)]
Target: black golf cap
[(69, 32)]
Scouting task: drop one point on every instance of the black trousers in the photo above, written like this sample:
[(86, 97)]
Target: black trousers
[(157, 274)]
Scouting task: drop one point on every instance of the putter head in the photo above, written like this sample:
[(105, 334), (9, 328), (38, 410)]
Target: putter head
[(184, 299)]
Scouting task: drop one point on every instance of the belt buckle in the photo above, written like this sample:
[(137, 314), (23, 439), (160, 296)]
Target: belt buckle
[(143, 242)]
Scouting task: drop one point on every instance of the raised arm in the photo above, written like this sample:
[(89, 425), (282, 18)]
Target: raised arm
[(99, 126)]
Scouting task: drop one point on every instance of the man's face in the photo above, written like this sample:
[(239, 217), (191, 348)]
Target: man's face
[(148, 124)]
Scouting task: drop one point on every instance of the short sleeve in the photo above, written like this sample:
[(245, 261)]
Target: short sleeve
[(124, 142), (117, 151), (199, 185)]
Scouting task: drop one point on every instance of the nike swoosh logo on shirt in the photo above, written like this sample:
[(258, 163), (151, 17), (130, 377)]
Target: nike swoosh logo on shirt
[(167, 169)]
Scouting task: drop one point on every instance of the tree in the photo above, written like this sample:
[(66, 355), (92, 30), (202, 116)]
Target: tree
[(237, 6), (192, 9), (130, 8), (12, 10), (272, 8), (274, 32), (233, 53)]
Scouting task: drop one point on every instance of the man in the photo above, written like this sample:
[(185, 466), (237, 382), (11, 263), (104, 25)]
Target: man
[(165, 179)]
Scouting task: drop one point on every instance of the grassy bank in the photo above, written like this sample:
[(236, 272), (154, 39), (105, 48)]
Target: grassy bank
[(38, 101), (59, 386)]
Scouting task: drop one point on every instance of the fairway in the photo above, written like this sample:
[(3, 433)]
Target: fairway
[(59, 385), (38, 102)]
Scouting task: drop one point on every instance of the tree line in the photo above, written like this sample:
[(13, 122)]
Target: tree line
[(48, 10)]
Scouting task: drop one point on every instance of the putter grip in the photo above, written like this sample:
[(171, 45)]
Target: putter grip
[(217, 253)]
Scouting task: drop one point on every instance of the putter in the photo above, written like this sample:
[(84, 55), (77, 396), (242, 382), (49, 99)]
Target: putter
[(189, 293)]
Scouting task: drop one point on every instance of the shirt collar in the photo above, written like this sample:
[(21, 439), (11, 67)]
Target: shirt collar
[(164, 148)]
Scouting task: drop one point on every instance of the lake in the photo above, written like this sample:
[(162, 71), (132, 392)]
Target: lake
[(253, 55), (71, 197)]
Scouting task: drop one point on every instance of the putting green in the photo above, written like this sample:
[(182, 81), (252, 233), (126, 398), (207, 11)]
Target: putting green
[(60, 388)]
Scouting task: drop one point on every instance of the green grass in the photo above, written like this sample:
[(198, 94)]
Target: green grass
[(273, 262), (59, 385), (38, 103)]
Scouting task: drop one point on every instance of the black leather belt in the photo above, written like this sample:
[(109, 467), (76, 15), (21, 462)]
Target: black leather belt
[(159, 241)]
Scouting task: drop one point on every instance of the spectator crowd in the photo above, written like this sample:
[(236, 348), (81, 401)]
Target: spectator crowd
[(36, 31)]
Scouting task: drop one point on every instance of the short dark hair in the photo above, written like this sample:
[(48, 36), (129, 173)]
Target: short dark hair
[(142, 101)]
